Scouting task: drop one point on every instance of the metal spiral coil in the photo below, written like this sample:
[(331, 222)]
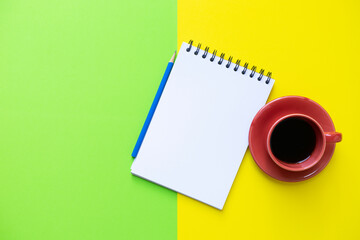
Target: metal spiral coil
[(253, 70), (213, 55), (190, 45), (229, 62), (261, 74), (245, 68), (237, 65), (197, 49), (222, 55), (205, 52), (268, 77)]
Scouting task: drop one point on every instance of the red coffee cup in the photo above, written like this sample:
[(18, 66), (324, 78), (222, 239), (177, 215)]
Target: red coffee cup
[(321, 139)]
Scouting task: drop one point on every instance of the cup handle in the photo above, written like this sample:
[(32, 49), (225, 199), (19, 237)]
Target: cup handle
[(333, 137)]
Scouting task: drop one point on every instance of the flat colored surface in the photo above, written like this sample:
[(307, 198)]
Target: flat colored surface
[(77, 79), (312, 47)]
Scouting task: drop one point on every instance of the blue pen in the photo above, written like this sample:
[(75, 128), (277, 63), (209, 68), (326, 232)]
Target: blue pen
[(153, 106)]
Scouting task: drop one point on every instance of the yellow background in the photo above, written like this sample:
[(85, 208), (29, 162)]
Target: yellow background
[(312, 48)]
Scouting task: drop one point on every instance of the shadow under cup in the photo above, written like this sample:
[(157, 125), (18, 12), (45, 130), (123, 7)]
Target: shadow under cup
[(296, 142)]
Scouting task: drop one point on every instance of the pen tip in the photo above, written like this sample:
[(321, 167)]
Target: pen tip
[(173, 57)]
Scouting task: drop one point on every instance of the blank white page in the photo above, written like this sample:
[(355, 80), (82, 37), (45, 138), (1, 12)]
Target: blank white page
[(199, 132)]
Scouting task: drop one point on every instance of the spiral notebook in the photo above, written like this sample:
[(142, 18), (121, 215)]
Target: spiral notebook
[(199, 132)]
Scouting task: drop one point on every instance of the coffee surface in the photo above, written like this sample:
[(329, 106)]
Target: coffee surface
[(293, 140)]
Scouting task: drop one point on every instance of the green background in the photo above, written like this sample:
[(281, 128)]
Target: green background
[(77, 78)]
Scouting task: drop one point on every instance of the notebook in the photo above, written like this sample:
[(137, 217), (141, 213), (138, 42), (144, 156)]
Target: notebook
[(199, 132)]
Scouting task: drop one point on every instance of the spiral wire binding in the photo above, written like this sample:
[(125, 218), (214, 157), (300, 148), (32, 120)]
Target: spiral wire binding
[(253, 70), (190, 45), (229, 62), (205, 52), (222, 55), (213, 55), (261, 74), (237, 64), (197, 49), (245, 68)]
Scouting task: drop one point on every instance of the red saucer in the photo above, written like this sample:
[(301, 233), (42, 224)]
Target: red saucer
[(264, 120)]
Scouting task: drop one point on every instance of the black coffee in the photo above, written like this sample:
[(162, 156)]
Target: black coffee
[(293, 140)]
